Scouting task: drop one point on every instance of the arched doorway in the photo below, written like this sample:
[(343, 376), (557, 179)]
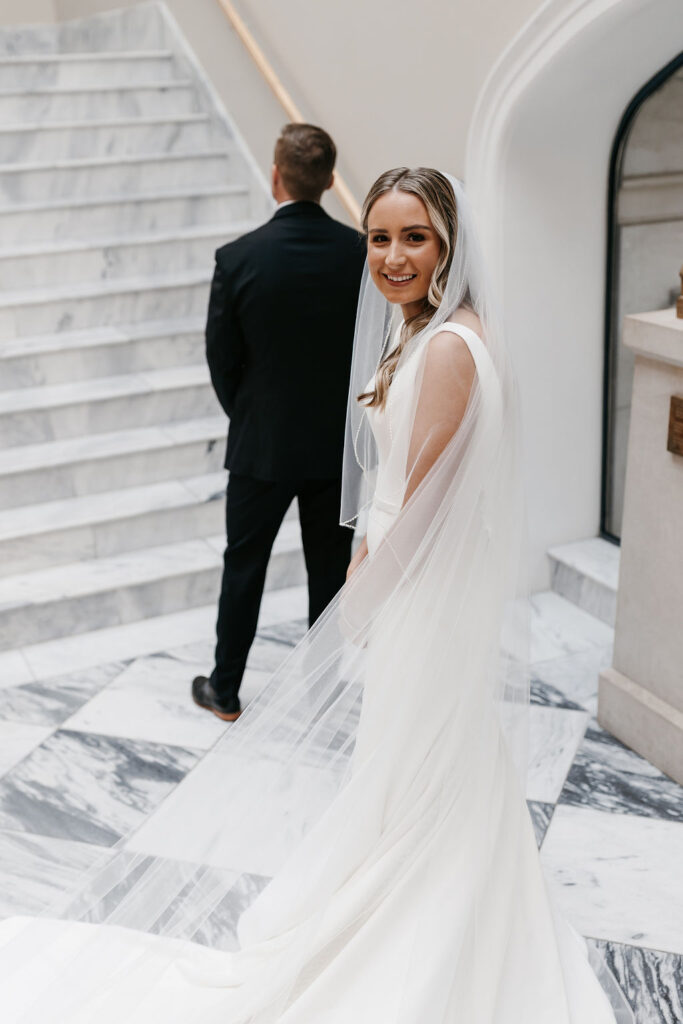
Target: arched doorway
[(538, 169), (645, 250)]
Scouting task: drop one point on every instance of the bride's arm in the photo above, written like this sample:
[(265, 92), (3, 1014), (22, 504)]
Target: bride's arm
[(360, 554), (445, 388)]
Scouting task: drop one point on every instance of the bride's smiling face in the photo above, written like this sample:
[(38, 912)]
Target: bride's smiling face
[(403, 249)]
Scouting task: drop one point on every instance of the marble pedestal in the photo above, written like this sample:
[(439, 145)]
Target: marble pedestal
[(641, 695)]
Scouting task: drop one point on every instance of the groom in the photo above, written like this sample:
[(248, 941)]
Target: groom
[(279, 337)]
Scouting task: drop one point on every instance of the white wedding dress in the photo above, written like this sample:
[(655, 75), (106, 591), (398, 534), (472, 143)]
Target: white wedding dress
[(417, 897)]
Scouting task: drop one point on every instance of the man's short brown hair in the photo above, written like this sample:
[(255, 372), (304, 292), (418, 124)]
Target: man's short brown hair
[(305, 156)]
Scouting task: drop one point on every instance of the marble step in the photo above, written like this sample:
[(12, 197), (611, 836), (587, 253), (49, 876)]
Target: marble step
[(94, 463), (69, 103), (98, 525), (101, 404), (41, 71), (586, 573), (85, 218), (113, 256), (94, 594), (104, 302), (118, 175), (69, 356), (71, 140)]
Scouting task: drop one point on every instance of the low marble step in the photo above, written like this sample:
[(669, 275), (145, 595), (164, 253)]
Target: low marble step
[(586, 573), (101, 462), (88, 595), (114, 256), (105, 302), (101, 404), (41, 71), (68, 103), (89, 217), (71, 140), (119, 175), (99, 525), (69, 356)]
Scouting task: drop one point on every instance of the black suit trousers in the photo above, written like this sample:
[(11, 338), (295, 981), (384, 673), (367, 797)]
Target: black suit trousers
[(255, 510)]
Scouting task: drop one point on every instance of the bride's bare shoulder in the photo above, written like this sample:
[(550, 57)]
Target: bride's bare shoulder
[(468, 318)]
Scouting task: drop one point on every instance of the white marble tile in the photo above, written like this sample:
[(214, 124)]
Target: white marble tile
[(559, 628), (284, 605), (151, 700), (594, 557), (51, 701), (17, 739), (617, 876), (93, 70), (554, 736), (122, 100)]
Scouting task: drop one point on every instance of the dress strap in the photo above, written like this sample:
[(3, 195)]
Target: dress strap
[(480, 353)]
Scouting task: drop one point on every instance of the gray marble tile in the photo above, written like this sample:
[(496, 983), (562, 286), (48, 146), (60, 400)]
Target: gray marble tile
[(617, 876), (287, 633), (541, 814), (17, 740), (651, 981), (35, 871), (89, 788), (610, 777), (51, 702), (151, 701), (547, 695)]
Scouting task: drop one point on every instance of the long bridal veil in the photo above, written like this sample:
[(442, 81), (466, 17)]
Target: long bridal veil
[(354, 845)]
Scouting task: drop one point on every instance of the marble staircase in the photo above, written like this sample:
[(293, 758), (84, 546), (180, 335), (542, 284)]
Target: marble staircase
[(586, 572), (119, 176)]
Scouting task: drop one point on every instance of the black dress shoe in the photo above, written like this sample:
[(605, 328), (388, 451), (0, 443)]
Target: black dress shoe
[(205, 696)]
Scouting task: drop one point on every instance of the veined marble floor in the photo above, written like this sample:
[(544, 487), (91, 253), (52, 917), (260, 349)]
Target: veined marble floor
[(95, 730)]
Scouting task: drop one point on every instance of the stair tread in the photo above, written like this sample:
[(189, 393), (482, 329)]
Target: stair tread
[(103, 122), (84, 55), (185, 192), (176, 234), (65, 90), (88, 337), (146, 565), (595, 558), (104, 286), (112, 443), (83, 163), (98, 388), (109, 506)]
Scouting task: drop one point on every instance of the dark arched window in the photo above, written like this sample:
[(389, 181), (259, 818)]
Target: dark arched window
[(645, 252)]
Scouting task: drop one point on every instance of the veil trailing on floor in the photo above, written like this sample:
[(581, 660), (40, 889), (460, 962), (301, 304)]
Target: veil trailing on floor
[(354, 846)]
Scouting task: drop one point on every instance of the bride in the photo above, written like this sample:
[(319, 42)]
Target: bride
[(374, 862)]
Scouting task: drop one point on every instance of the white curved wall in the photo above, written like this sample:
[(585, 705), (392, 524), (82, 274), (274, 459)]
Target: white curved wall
[(538, 161)]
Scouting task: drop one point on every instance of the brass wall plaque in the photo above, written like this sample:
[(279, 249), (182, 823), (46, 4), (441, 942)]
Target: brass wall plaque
[(675, 443)]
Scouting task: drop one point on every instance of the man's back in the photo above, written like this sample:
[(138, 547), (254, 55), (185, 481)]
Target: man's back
[(284, 350)]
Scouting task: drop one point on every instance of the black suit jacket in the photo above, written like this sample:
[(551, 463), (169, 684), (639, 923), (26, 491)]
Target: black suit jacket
[(279, 338)]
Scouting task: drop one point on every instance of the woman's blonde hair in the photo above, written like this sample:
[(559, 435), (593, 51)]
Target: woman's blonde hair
[(436, 192)]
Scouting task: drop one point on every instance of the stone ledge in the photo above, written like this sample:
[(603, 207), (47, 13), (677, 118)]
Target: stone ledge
[(643, 721), (657, 335)]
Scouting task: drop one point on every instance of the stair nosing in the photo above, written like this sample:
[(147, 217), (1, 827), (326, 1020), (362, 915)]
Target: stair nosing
[(78, 56), (187, 233), (103, 286), (125, 122), (67, 90), (113, 507), (84, 337), (139, 197), (122, 385), (157, 437), (127, 159)]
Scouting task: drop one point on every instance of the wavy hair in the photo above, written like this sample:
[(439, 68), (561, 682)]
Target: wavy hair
[(436, 192)]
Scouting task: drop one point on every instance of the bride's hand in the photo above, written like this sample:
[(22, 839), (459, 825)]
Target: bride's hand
[(360, 554)]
